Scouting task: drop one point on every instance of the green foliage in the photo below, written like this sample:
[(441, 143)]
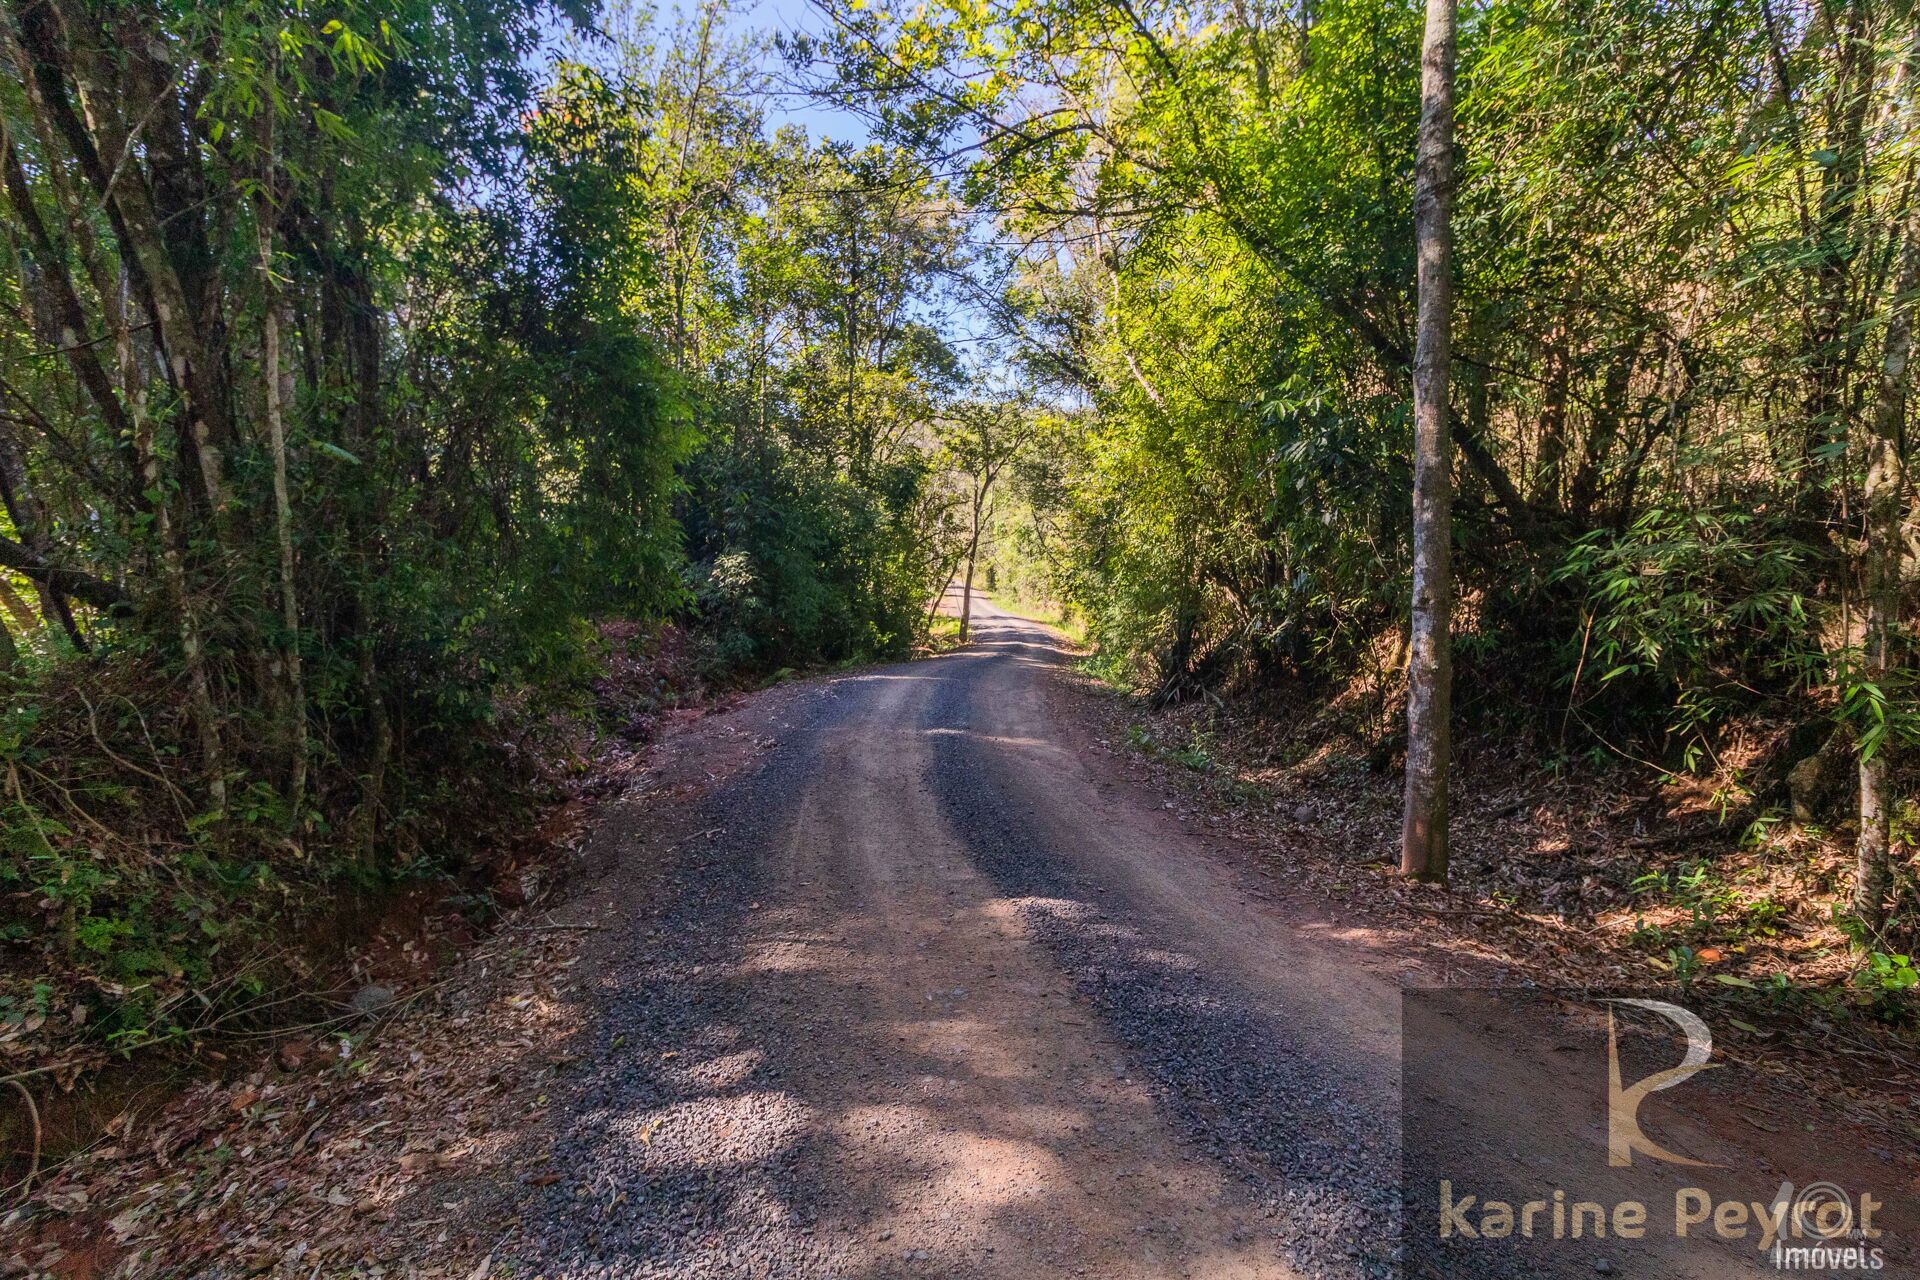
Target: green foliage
[(410, 370), (1888, 974), (1684, 965), (791, 283), (1673, 292), (1197, 755), (1689, 611), (475, 454), (1889, 982), (791, 566), (380, 366)]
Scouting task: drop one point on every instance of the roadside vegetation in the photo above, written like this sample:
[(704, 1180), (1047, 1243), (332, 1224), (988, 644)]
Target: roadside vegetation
[(377, 413), (1682, 531)]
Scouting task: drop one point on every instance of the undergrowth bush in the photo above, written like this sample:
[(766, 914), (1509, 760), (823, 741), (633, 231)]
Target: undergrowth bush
[(137, 916), (792, 563), (1687, 618)]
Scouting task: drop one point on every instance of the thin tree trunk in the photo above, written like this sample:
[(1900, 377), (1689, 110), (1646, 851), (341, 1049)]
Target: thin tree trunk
[(1550, 462), (99, 127), (29, 521), (56, 286), (1830, 350), (966, 600), (966, 597), (206, 718), (1423, 841), (990, 473), (271, 380), (1882, 499), (380, 750), (940, 596)]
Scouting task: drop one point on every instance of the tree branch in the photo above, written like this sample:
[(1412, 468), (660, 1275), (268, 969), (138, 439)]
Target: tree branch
[(76, 583)]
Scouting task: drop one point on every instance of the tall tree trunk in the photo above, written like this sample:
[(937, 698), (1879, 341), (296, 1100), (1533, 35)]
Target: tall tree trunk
[(1586, 488), (1831, 348), (1883, 499), (206, 717), (966, 598), (56, 284), (276, 389), (940, 596), (380, 749), (157, 221), (1423, 837), (1548, 488)]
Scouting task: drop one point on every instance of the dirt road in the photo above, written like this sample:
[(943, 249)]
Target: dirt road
[(915, 972), (933, 995)]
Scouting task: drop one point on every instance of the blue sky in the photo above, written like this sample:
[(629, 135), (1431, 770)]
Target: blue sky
[(787, 17), (821, 120)]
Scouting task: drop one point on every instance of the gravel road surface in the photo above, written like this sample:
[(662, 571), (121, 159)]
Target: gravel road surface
[(926, 991)]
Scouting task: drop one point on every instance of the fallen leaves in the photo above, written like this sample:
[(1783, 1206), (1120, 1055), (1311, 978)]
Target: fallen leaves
[(318, 1156), (1575, 878), (314, 1166)]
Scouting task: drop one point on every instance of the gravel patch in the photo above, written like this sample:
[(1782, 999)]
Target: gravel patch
[(681, 1154), (1252, 1095)]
